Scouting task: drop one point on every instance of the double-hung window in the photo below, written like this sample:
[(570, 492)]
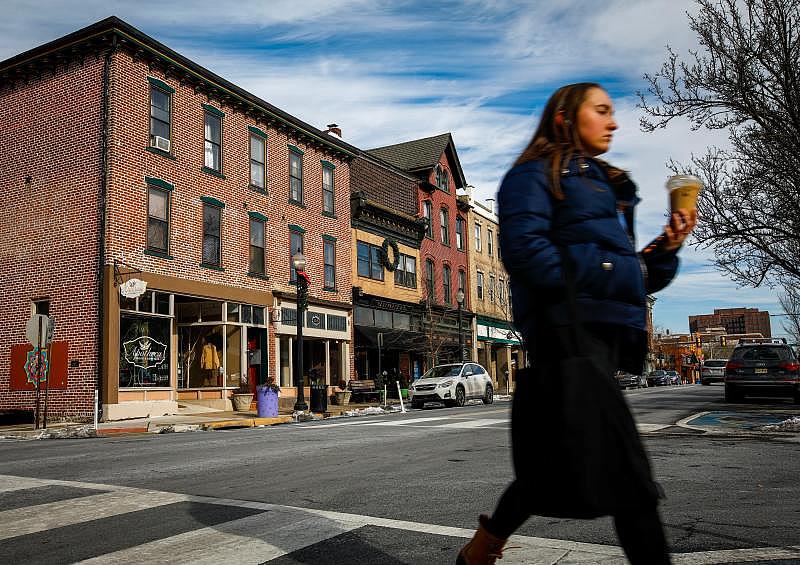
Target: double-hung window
[(329, 253), (369, 261), (442, 178), (501, 292), (257, 246), (444, 218), (489, 242), (462, 281), (295, 245), (429, 280), (459, 233), (478, 246), (295, 176), (213, 141), (427, 212), (446, 288), (212, 229), (157, 219), (160, 115), (258, 162), (327, 190), (406, 272), (480, 285), (491, 288)]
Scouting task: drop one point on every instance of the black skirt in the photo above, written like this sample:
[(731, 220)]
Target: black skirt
[(577, 452)]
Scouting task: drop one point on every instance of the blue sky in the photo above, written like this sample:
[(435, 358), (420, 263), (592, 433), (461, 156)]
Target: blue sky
[(392, 71)]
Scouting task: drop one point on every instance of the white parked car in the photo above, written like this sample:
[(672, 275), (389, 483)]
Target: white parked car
[(452, 384)]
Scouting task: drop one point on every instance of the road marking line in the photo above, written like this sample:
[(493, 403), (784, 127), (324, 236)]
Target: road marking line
[(8, 484), (275, 532), (480, 423)]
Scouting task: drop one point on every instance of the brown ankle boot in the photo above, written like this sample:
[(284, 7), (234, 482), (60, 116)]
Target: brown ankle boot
[(483, 549)]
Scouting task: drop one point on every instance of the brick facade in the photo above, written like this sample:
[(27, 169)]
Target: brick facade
[(53, 184)]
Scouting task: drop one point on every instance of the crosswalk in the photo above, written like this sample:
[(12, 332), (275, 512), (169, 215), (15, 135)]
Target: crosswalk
[(56, 521)]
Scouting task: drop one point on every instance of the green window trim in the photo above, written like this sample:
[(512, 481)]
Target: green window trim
[(212, 110), (255, 130), (257, 216), (160, 84), (261, 276), (297, 203), (327, 237), (212, 172), (329, 215), (295, 149), (212, 201), (158, 151), (294, 227), (159, 254), (213, 267), (327, 164), (159, 183)]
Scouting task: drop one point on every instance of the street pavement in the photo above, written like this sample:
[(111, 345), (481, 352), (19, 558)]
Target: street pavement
[(397, 488)]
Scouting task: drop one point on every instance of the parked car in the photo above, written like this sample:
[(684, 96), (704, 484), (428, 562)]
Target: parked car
[(452, 384), (657, 378), (763, 368), (713, 371), (673, 378), (627, 380)]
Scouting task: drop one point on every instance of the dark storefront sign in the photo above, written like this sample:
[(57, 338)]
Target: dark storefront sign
[(144, 351)]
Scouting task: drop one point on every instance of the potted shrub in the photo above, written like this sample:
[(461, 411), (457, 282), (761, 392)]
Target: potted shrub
[(242, 397), (342, 395), (268, 399)]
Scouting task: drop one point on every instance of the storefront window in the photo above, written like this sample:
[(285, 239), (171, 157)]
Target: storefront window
[(201, 356), (286, 375), (233, 312), (233, 356), (335, 362), (144, 351)]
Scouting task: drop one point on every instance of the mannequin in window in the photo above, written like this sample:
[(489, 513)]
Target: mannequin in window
[(209, 363)]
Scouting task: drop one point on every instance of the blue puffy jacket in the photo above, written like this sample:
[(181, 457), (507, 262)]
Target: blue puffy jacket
[(612, 279)]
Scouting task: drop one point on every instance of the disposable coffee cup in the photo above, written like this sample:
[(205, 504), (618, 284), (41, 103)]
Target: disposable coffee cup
[(683, 191)]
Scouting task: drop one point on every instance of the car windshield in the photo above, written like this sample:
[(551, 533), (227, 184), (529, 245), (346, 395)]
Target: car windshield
[(762, 353), (443, 371), (657, 373), (714, 363)]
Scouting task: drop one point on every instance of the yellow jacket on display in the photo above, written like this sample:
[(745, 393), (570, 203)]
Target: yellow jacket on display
[(210, 358)]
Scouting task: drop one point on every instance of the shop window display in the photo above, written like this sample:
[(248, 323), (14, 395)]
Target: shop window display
[(201, 356), (144, 352)]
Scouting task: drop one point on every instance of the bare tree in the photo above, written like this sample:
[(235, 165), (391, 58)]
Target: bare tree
[(790, 302), (432, 321), (744, 79)]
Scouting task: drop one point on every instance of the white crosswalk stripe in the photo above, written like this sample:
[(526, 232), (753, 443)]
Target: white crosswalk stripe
[(279, 530)]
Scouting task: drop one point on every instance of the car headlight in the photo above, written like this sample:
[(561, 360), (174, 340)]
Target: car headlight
[(446, 384)]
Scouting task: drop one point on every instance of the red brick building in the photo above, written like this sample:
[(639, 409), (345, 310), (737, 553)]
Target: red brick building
[(734, 320), (443, 253), (125, 160)]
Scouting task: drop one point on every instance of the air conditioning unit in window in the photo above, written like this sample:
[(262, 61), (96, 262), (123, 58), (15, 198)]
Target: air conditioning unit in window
[(161, 143)]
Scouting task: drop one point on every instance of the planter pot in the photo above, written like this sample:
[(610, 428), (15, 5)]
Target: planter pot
[(342, 397), (267, 402), (241, 402)]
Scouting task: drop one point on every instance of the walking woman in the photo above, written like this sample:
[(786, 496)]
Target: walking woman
[(566, 234)]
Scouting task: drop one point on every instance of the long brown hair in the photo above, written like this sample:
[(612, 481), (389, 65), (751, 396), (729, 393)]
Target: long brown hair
[(557, 139)]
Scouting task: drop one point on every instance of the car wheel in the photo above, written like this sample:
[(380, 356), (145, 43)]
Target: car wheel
[(488, 396), (731, 394), (460, 396)]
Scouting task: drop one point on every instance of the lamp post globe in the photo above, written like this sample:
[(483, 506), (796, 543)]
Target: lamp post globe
[(299, 264), (460, 300)]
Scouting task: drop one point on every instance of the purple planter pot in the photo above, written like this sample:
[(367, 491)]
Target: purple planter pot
[(267, 402)]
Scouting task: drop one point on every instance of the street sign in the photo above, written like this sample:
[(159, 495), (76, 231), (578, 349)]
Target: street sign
[(39, 330)]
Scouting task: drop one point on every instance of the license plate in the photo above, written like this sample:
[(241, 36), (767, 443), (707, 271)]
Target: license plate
[(761, 371)]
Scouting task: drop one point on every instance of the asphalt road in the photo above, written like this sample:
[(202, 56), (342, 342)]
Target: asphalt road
[(439, 466)]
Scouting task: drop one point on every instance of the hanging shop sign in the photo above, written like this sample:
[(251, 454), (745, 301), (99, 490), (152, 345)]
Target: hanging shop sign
[(133, 288), (145, 352)]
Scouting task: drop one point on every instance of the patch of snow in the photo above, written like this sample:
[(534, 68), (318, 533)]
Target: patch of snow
[(790, 425)]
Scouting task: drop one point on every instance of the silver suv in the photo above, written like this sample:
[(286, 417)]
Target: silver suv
[(769, 369)]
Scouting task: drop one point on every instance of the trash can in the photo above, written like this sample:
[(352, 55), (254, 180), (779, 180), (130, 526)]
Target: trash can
[(319, 398), (266, 402)]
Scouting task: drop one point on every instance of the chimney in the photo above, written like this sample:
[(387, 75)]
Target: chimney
[(334, 130), (490, 204)]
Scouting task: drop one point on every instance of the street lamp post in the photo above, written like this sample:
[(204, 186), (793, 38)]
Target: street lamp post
[(299, 264), (460, 300)]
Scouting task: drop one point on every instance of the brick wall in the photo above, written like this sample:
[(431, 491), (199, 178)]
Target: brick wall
[(432, 248), (50, 128), (384, 185)]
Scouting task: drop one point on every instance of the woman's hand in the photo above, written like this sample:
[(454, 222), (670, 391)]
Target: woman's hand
[(681, 224)]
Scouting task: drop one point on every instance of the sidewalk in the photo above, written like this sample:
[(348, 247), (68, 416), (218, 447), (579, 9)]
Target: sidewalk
[(190, 419)]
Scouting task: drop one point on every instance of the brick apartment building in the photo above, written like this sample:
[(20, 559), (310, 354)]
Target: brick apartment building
[(734, 320), (123, 159), (443, 252)]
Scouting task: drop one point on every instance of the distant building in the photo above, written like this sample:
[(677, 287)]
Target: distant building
[(734, 320)]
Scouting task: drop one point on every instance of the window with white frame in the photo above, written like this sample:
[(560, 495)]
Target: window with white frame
[(296, 176), (406, 272), (257, 246), (444, 218), (489, 242), (329, 252), (460, 233), (157, 219), (427, 211), (327, 190), (213, 141), (480, 285), (478, 246), (258, 162), (446, 285)]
